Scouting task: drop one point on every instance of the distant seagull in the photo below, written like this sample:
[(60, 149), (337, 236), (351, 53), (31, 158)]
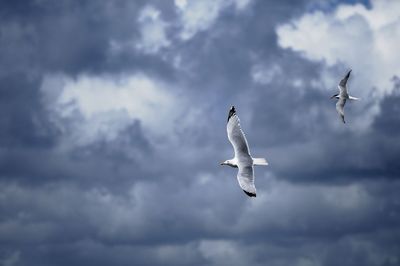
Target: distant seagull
[(343, 96), (242, 159)]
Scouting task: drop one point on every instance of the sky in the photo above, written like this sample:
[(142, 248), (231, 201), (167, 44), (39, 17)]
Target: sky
[(113, 127)]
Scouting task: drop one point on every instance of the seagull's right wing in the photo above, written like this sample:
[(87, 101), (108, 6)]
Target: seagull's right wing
[(237, 137), (245, 178), (340, 107)]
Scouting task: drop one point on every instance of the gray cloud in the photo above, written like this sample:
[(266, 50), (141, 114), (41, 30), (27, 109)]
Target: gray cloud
[(155, 195)]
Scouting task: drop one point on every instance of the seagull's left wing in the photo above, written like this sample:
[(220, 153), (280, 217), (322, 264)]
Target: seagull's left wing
[(246, 179)]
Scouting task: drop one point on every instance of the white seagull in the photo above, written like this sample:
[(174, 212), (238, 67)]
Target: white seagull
[(342, 96), (242, 159)]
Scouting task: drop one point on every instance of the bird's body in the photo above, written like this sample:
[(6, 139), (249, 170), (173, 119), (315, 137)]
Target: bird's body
[(242, 160), (343, 96)]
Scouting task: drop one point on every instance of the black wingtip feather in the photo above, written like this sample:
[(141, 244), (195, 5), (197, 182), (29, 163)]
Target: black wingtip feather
[(232, 112), (249, 194), (348, 74)]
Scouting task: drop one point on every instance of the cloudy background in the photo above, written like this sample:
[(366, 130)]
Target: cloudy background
[(113, 126)]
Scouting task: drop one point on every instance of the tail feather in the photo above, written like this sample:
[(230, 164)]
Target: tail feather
[(354, 98), (260, 161)]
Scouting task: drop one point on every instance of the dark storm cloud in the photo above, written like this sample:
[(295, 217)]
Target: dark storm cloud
[(44, 37), (328, 197), (72, 37), (22, 120), (347, 155)]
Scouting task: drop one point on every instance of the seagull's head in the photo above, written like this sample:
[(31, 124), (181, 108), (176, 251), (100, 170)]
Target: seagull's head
[(229, 163), (335, 96)]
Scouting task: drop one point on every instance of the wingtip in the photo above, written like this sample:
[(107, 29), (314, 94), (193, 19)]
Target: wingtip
[(250, 194), (348, 73), (232, 112)]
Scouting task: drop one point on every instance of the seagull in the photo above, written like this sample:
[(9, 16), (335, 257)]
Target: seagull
[(242, 160), (343, 96)]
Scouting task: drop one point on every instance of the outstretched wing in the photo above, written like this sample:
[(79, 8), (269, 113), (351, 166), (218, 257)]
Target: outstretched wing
[(343, 83), (340, 107), (245, 178), (237, 137)]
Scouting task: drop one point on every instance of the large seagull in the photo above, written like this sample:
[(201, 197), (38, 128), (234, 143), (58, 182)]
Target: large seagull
[(343, 96), (242, 160)]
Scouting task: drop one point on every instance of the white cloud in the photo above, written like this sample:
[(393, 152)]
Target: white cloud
[(241, 4), (100, 107), (181, 4), (198, 16), (263, 74), (359, 38), (153, 31)]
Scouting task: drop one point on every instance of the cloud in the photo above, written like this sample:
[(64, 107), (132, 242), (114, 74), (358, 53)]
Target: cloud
[(94, 221), (358, 37), (90, 176), (264, 75), (152, 30), (197, 16), (12, 260), (104, 106)]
